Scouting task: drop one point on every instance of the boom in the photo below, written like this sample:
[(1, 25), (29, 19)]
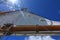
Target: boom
[(33, 29)]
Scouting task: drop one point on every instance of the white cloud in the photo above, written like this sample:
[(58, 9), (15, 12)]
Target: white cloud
[(48, 38), (39, 38)]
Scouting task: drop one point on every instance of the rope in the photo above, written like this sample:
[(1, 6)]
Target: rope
[(36, 29)]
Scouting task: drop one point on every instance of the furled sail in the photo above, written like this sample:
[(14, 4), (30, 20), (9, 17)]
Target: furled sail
[(21, 18)]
